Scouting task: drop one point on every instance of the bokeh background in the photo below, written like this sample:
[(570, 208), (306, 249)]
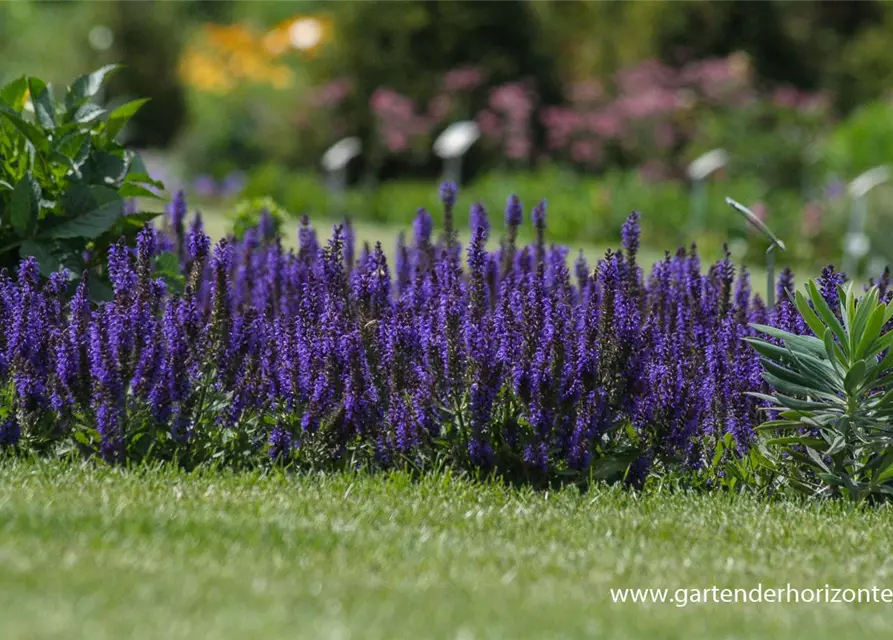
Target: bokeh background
[(600, 107)]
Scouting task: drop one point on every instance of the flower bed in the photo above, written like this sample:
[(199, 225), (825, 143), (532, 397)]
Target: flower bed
[(502, 358)]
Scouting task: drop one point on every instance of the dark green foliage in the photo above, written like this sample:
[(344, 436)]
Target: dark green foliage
[(63, 176)]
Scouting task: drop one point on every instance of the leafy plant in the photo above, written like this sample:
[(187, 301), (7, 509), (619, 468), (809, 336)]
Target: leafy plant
[(63, 176), (248, 212), (833, 395)]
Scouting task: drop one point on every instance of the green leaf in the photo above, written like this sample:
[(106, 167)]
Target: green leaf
[(817, 458), (864, 311), (803, 440), (835, 353), (776, 425), (33, 134), (90, 211), (70, 145), (854, 377), (119, 117), (885, 471), (134, 190), (790, 403), (769, 350), (24, 206), (13, 93), (167, 263), (107, 168), (44, 110), (87, 113), (86, 86), (818, 328), (43, 253), (794, 377), (99, 290), (828, 316)]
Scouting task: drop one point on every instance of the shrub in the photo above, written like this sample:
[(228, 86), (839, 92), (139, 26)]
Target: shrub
[(506, 361), (834, 395), (63, 177)]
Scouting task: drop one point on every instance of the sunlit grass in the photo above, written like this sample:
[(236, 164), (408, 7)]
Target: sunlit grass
[(161, 554)]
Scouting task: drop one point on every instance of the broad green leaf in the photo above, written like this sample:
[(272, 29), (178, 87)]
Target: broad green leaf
[(44, 110), (90, 211), (137, 172), (86, 86), (134, 190), (32, 133), (24, 206), (13, 94), (43, 253), (87, 112), (167, 263), (119, 117), (71, 144), (107, 168), (99, 290)]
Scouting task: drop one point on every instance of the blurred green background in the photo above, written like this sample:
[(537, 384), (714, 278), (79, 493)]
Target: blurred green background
[(600, 107)]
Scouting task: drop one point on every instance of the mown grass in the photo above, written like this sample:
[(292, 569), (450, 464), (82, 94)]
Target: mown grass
[(104, 553)]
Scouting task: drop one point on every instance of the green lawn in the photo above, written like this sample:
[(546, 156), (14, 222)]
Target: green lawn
[(160, 554)]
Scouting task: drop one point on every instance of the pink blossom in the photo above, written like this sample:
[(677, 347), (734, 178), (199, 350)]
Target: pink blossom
[(586, 151), (385, 100), (396, 141), (645, 76), (490, 125), (607, 123), (585, 91), (518, 147), (786, 97), (464, 79), (512, 98), (331, 94)]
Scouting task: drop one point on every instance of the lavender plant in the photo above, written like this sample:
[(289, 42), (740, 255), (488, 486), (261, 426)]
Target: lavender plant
[(496, 358)]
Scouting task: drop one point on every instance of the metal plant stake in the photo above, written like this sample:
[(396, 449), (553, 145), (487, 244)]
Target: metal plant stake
[(698, 171), (334, 161), (856, 243), (453, 144), (752, 218)]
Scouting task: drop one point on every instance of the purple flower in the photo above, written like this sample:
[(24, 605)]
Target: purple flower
[(514, 212)]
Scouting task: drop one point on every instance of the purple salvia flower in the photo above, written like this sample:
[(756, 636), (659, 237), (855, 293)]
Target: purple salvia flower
[(478, 218)]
